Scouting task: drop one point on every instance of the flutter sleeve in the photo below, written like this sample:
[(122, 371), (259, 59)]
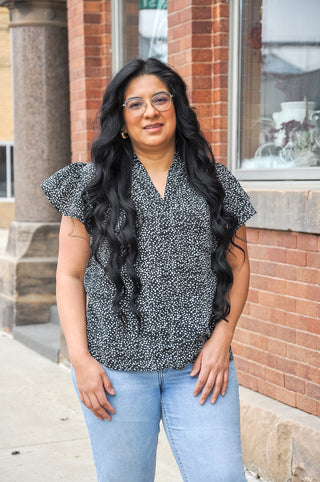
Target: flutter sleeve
[(236, 199), (64, 189)]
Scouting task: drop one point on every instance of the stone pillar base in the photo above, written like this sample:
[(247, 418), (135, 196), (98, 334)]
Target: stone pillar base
[(27, 274)]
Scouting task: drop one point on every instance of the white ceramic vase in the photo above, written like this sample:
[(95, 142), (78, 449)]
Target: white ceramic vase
[(293, 111)]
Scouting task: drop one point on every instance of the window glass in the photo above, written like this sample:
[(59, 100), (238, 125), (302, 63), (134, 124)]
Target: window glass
[(144, 29), (153, 29), (3, 172), (279, 84), (6, 170), (12, 171)]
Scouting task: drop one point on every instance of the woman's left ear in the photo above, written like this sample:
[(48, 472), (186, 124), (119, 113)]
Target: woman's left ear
[(124, 134)]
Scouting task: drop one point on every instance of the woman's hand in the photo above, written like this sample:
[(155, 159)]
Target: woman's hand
[(212, 365), (93, 382)]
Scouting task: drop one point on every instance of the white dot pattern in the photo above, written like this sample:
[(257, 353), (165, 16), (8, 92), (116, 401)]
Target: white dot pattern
[(174, 264)]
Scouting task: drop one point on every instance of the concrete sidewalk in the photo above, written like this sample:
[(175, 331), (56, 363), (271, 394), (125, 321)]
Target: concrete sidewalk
[(43, 435)]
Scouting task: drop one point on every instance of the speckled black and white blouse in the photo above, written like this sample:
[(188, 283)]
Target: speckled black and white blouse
[(174, 265)]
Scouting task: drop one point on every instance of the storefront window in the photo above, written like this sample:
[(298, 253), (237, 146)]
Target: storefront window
[(279, 85), (140, 30)]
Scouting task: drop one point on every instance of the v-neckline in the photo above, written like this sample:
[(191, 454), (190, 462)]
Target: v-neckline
[(162, 199)]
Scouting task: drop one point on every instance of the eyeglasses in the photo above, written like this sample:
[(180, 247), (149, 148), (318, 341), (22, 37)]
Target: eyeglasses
[(137, 105)]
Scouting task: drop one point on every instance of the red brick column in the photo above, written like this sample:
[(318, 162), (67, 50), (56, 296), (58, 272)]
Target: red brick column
[(190, 52), (90, 64), (198, 48)]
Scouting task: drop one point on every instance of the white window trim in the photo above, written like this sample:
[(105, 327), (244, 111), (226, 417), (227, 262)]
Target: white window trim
[(116, 35), (8, 145), (290, 174)]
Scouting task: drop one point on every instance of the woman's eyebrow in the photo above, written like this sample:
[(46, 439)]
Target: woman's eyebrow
[(138, 96), (161, 92), (135, 97)]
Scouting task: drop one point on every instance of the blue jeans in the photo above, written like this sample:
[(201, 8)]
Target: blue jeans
[(205, 440)]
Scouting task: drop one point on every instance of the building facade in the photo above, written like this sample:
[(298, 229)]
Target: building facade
[(252, 70), (231, 85)]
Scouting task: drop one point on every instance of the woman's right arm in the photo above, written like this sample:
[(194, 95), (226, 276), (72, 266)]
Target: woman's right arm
[(74, 255)]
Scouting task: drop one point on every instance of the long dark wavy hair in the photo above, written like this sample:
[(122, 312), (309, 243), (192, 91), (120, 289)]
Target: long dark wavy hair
[(110, 190)]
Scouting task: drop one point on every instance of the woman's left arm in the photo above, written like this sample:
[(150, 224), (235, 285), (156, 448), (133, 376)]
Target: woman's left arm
[(212, 363)]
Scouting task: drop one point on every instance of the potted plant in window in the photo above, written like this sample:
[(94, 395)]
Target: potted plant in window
[(295, 142), (301, 142)]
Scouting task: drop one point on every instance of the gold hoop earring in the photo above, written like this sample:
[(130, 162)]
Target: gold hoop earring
[(124, 135)]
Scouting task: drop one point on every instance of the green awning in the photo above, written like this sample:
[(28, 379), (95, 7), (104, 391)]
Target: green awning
[(152, 4)]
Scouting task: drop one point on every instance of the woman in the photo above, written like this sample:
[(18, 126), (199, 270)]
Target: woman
[(153, 240)]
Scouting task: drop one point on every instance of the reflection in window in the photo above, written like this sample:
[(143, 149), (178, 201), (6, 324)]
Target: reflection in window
[(144, 29), (153, 29), (280, 84)]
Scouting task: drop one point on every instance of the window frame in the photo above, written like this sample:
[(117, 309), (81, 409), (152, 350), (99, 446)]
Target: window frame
[(291, 174), (8, 145)]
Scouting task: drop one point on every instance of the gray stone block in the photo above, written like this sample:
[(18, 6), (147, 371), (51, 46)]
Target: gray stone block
[(27, 274), (54, 315), (6, 313), (44, 339), (33, 240), (285, 209)]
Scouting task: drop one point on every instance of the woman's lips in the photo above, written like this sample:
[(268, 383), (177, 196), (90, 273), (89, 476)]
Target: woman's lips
[(152, 127)]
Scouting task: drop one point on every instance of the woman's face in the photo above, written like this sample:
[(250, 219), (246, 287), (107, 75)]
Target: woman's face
[(152, 130)]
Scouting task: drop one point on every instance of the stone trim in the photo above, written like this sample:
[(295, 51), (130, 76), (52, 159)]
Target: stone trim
[(285, 209), (278, 442), (37, 13)]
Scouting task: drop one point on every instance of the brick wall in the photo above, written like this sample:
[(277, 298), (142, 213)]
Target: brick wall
[(90, 66), (277, 340)]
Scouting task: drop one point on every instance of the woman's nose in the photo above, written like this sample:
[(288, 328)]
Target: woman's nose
[(150, 110)]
